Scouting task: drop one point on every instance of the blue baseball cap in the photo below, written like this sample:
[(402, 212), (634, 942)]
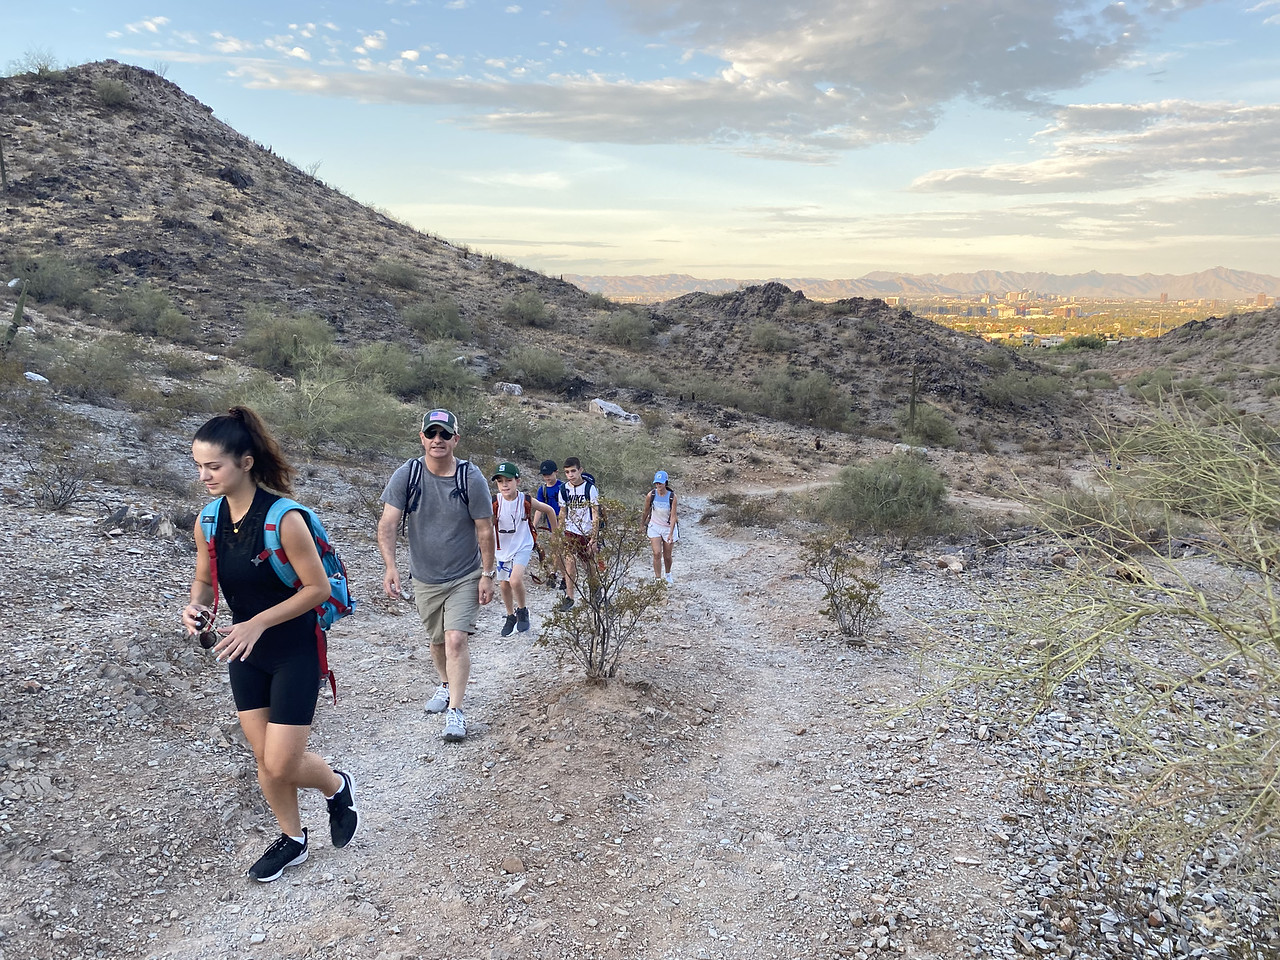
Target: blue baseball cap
[(660, 477)]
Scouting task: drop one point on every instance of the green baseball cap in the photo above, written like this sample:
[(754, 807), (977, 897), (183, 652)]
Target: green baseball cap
[(507, 469)]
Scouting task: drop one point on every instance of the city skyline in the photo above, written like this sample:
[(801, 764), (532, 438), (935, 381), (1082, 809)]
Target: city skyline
[(751, 139)]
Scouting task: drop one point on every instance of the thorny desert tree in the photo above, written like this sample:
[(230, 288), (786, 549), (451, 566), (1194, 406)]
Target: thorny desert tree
[(1164, 634), (610, 603)]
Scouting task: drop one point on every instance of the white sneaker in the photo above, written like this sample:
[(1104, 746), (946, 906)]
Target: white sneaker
[(670, 579), (439, 701), (455, 725)]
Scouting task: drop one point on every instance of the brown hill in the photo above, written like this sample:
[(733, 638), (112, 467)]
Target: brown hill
[(119, 181)]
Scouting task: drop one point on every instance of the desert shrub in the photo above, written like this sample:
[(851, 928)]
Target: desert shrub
[(113, 93), (1014, 389), (148, 310), (438, 319), (329, 408), (785, 393), (527, 309), (626, 328), (534, 367), (1151, 385), (96, 371), (37, 60), (1171, 661), (611, 603), (1088, 341), (998, 358), (930, 427), (436, 374), (852, 597), (771, 338), (54, 279), (57, 475), (397, 273), (598, 301), (745, 510), (899, 494), (280, 344)]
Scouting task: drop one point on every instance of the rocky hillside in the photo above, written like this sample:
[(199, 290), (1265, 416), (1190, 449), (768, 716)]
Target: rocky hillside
[(117, 171), (120, 182)]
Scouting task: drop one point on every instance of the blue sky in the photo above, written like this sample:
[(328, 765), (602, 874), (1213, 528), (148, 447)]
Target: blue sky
[(751, 138)]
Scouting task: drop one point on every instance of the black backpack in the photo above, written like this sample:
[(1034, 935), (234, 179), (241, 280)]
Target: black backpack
[(413, 489), (590, 482)]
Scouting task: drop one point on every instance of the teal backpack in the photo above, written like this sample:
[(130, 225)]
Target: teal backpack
[(340, 602)]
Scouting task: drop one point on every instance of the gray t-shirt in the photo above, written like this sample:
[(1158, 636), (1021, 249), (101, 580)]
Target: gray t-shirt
[(442, 533)]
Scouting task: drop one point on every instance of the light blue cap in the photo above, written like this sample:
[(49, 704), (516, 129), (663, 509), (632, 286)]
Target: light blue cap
[(660, 477)]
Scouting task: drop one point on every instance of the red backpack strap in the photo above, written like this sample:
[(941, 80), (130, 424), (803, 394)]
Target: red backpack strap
[(497, 534)]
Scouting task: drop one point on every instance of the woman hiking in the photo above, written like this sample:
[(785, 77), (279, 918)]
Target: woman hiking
[(271, 647)]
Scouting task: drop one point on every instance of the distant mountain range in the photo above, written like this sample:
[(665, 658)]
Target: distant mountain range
[(1220, 283)]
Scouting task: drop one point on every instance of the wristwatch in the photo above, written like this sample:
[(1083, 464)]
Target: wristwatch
[(491, 574)]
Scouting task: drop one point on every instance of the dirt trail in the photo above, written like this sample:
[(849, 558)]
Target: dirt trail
[(736, 794)]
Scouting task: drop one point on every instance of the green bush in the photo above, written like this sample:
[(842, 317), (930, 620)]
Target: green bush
[(598, 301), (899, 494), (54, 279), (852, 597), (113, 93), (527, 309), (784, 393), (282, 344), (931, 427), (534, 367), (331, 408), (626, 328), (438, 319), (1089, 341), (397, 273), (771, 338), (1014, 389), (147, 310)]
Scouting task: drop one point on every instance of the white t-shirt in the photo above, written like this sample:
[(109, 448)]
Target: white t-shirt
[(575, 513), (511, 528)]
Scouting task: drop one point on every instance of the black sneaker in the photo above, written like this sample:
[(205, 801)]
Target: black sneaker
[(344, 818), (522, 619), (285, 852), (509, 624), (566, 604)]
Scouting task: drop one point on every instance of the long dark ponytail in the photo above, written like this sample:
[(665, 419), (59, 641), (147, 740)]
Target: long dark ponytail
[(241, 431)]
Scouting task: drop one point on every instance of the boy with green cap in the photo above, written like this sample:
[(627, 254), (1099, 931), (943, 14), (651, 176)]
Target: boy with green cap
[(515, 541)]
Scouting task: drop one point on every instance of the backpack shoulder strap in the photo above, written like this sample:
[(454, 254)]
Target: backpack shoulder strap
[(209, 518), (272, 545), (460, 479)]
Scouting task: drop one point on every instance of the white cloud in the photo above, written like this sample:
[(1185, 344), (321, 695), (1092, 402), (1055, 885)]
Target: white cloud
[(376, 40), (150, 25), (514, 8), (1114, 146), (227, 44), (848, 74), (409, 54)]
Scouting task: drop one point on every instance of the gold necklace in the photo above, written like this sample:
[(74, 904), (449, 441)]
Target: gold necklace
[(235, 524)]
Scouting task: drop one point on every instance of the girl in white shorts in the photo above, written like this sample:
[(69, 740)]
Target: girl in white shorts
[(660, 524)]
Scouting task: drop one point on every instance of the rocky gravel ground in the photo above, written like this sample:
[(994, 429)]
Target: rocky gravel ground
[(749, 787)]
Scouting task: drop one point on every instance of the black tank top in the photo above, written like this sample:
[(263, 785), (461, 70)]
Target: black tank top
[(251, 585)]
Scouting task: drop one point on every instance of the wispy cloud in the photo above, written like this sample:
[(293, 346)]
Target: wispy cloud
[(1101, 147), (150, 25), (846, 74)]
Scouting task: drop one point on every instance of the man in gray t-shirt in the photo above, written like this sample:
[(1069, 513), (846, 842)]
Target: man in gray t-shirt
[(443, 504)]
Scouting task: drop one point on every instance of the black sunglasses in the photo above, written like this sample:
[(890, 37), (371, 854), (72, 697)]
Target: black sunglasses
[(434, 432)]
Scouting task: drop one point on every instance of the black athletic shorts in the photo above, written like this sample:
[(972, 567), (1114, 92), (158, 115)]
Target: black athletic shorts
[(288, 685)]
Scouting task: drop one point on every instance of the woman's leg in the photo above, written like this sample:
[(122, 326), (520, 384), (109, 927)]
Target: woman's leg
[(285, 766), (655, 544), (668, 550)]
